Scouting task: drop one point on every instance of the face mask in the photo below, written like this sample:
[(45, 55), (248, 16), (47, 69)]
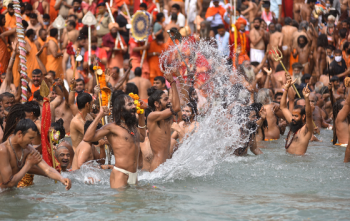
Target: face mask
[(35, 37), (46, 23), (338, 58), (93, 47)]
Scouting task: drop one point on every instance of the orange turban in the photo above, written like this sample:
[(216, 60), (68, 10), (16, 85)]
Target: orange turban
[(240, 21), (112, 25)]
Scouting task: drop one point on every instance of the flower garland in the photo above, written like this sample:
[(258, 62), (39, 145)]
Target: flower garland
[(136, 98)]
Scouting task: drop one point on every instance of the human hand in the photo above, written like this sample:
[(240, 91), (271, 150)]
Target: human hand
[(262, 112), (306, 91), (288, 84), (276, 108), (67, 183), (33, 158), (104, 111), (14, 44), (268, 71), (97, 89), (101, 143), (72, 84), (130, 63)]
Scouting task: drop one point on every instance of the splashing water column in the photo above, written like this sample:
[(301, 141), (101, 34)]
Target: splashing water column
[(22, 50)]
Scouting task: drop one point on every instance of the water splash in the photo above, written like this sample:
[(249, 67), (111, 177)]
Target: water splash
[(219, 128)]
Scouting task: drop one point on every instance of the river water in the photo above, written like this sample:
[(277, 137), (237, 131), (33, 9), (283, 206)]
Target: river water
[(272, 186)]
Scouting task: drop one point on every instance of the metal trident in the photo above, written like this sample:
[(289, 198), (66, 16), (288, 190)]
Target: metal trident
[(277, 57)]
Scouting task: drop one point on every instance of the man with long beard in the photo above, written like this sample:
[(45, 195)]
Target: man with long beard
[(124, 136), (302, 50), (301, 126), (187, 126), (159, 121)]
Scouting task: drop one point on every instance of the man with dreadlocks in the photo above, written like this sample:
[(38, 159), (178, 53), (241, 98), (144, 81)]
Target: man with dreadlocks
[(159, 121), (14, 168), (186, 127), (300, 132), (124, 136)]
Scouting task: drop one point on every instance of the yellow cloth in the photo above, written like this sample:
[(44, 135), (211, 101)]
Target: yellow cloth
[(54, 64), (27, 180)]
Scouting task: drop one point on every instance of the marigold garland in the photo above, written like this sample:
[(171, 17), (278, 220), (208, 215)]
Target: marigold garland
[(136, 98)]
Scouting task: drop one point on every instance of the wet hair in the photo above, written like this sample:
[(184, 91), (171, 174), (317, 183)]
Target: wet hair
[(193, 107), (131, 88), (303, 25), (154, 95), (115, 94), (342, 32), (72, 23), (24, 125), (32, 106), (138, 72), (301, 108), (288, 21), (15, 114), (118, 106), (177, 6), (53, 32), (262, 95), (37, 96), (88, 123), (160, 16), (30, 32), (322, 41), (279, 68), (58, 126), (83, 99), (160, 78)]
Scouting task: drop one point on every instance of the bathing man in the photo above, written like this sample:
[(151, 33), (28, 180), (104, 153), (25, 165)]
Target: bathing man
[(300, 132), (124, 135)]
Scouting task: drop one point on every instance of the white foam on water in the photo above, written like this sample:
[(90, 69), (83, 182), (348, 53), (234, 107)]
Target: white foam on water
[(199, 154)]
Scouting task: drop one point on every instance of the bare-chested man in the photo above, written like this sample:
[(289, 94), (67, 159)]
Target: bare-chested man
[(276, 40), (32, 110), (18, 158), (159, 121), (250, 12), (342, 122), (300, 132), (77, 9), (320, 58), (185, 128), (287, 30), (317, 113), (84, 106), (257, 44), (141, 83), (272, 131), (71, 34), (86, 151), (34, 24), (297, 4), (306, 10), (302, 50), (124, 135)]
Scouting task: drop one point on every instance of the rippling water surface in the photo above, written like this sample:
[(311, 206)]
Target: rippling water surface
[(274, 185)]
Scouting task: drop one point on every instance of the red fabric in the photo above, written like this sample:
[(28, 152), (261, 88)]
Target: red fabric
[(100, 52), (287, 5), (45, 127)]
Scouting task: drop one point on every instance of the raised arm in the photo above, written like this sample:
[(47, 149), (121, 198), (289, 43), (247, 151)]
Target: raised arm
[(71, 98), (283, 105), (343, 113), (41, 65), (8, 78), (308, 112), (93, 135), (125, 77)]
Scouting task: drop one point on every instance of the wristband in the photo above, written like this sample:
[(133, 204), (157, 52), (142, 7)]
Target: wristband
[(172, 82)]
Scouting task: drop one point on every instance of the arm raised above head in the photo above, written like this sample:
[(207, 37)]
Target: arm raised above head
[(283, 105), (93, 135)]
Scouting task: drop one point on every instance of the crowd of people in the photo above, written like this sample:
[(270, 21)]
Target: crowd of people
[(119, 101)]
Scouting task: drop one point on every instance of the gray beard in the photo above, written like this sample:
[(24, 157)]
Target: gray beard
[(250, 74)]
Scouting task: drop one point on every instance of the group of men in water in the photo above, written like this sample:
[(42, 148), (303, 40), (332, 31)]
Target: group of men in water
[(292, 75)]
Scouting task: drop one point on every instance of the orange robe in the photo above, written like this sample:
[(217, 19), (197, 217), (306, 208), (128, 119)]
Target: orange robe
[(137, 57), (32, 63), (52, 12), (153, 61), (15, 72), (4, 53), (10, 21), (33, 89), (54, 64), (215, 10), (43, 55)]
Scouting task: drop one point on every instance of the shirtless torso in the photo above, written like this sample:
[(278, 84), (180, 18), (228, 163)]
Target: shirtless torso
[(125, 144), (276, 40), (86, 152), (272, 131), (77, 129), (287, 42), (342, 123), (250, 12), (142, 84), (257, 39)]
